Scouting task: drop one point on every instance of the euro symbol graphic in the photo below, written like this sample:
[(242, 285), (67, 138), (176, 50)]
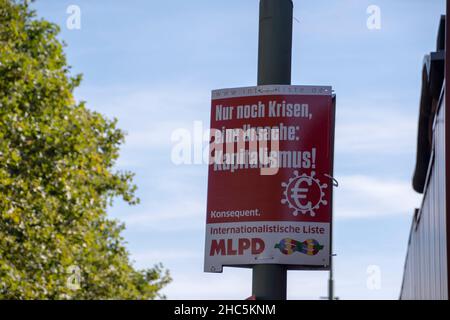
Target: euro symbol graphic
[(294, 193), (298, 193)]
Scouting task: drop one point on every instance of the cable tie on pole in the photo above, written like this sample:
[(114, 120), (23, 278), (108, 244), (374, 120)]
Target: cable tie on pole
[(264, 258), (335, 182)]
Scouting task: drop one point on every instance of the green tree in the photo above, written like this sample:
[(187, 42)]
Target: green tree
[(57, 177)]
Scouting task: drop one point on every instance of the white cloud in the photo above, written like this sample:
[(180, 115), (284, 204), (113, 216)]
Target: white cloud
[(157, 136), (149, 116), (361, 196), (375, 130), (142, 107), (231, 284), (149, 257), (180, 215)]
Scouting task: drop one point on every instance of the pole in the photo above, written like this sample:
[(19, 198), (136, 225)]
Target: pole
[(331, 280), (275, 42), (274, 67)]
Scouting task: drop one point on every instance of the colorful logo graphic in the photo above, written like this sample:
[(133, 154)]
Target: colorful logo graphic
[(304, 193), (309, 247)]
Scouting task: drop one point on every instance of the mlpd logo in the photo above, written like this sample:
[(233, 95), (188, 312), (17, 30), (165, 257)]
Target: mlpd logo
[(304, 194), (288, 246)]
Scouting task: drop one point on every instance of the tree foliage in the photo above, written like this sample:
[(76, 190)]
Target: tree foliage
[(57, 177)]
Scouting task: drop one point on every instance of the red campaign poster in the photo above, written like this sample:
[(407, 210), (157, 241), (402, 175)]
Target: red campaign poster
[(269, 179)]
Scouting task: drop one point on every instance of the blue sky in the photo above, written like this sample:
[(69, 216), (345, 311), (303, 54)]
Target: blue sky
[(152, 64)]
